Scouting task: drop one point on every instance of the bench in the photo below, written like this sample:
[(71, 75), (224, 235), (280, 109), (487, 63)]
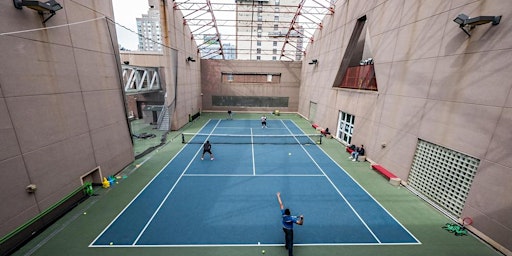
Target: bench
[(393, 179), (317, 127)]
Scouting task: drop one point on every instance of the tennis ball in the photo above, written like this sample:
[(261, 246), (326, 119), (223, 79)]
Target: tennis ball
[(289, 154), (262, 251), (111, 243)]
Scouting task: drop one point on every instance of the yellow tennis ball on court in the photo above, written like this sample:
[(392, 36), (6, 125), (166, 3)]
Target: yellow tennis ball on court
[(262, 251), (289, 154), (111, 243)]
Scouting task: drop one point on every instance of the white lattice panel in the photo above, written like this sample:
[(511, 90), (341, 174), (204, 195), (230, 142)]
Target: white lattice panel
[(443, 175)]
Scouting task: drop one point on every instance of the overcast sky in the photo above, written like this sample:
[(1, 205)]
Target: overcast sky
[(125, 13)]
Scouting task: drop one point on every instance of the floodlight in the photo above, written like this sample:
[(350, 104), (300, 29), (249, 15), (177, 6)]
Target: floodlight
[(50, 6), (465, 21)]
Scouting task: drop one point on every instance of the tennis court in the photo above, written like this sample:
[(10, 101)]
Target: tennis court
[(232, 199)]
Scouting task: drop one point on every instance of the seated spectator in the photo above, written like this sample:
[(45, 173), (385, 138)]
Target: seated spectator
[(326, 132), (359, 151)]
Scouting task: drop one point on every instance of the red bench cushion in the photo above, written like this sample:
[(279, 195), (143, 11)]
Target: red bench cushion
[(383, 171), (314, 125), (349, 150)]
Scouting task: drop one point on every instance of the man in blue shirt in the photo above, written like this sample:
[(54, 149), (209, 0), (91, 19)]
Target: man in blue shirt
[(288, 221)]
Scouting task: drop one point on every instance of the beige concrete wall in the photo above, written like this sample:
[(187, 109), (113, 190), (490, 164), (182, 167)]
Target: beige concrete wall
[(435, 83), (61, 106), (179, 76), (211, 71)]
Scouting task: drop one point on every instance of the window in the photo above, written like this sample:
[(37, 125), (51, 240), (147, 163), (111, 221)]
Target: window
[(276, 18), (274, 51), (258, 43), (259, 34), (259, 27), (274, 43), (274, 58), (277, 2), (259, 17), (276, 27), (258, 50), (251, 78), (258, 57), (345, 127)]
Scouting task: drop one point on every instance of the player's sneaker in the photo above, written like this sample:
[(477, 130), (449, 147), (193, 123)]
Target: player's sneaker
[(202, 158), (211, 158)]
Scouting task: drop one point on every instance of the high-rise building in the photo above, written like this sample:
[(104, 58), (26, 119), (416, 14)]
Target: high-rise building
[(229, 51), (261, 29), (149, 30), (210, 49)]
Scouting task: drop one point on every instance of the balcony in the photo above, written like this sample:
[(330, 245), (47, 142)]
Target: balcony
[(360, 78)]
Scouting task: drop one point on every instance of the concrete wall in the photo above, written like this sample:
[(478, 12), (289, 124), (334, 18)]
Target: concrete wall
[(434, 83), (180, 77), (212, 85), (61, 106)]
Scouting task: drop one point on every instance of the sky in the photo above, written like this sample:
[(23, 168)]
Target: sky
[(125, 14)]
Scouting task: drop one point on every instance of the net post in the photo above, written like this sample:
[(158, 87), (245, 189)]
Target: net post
[(182, 139), (320, 139)]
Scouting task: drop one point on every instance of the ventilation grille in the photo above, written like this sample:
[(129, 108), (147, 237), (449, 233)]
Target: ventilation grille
[(443, 175)]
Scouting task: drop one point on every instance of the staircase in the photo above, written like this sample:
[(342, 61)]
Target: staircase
[(164, 119)]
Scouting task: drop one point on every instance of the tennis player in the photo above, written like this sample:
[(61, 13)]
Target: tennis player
[(263, 121), (288, 221), (230, 115), (207, 148)]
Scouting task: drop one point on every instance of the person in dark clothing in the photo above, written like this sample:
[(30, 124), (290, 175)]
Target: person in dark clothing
[(263, 121), (207, 148), (358, 152), (288, 221)]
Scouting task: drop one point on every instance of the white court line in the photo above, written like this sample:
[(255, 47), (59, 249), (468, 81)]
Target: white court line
[(253, 158), (254, 175), (339, 192), (137, 196), (247, 245), (169, 193), (374, 200), (235, 245)]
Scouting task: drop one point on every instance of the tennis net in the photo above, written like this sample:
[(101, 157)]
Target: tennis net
[(200, 138)]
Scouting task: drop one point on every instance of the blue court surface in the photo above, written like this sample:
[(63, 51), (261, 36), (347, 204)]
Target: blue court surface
[(231, 201)]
